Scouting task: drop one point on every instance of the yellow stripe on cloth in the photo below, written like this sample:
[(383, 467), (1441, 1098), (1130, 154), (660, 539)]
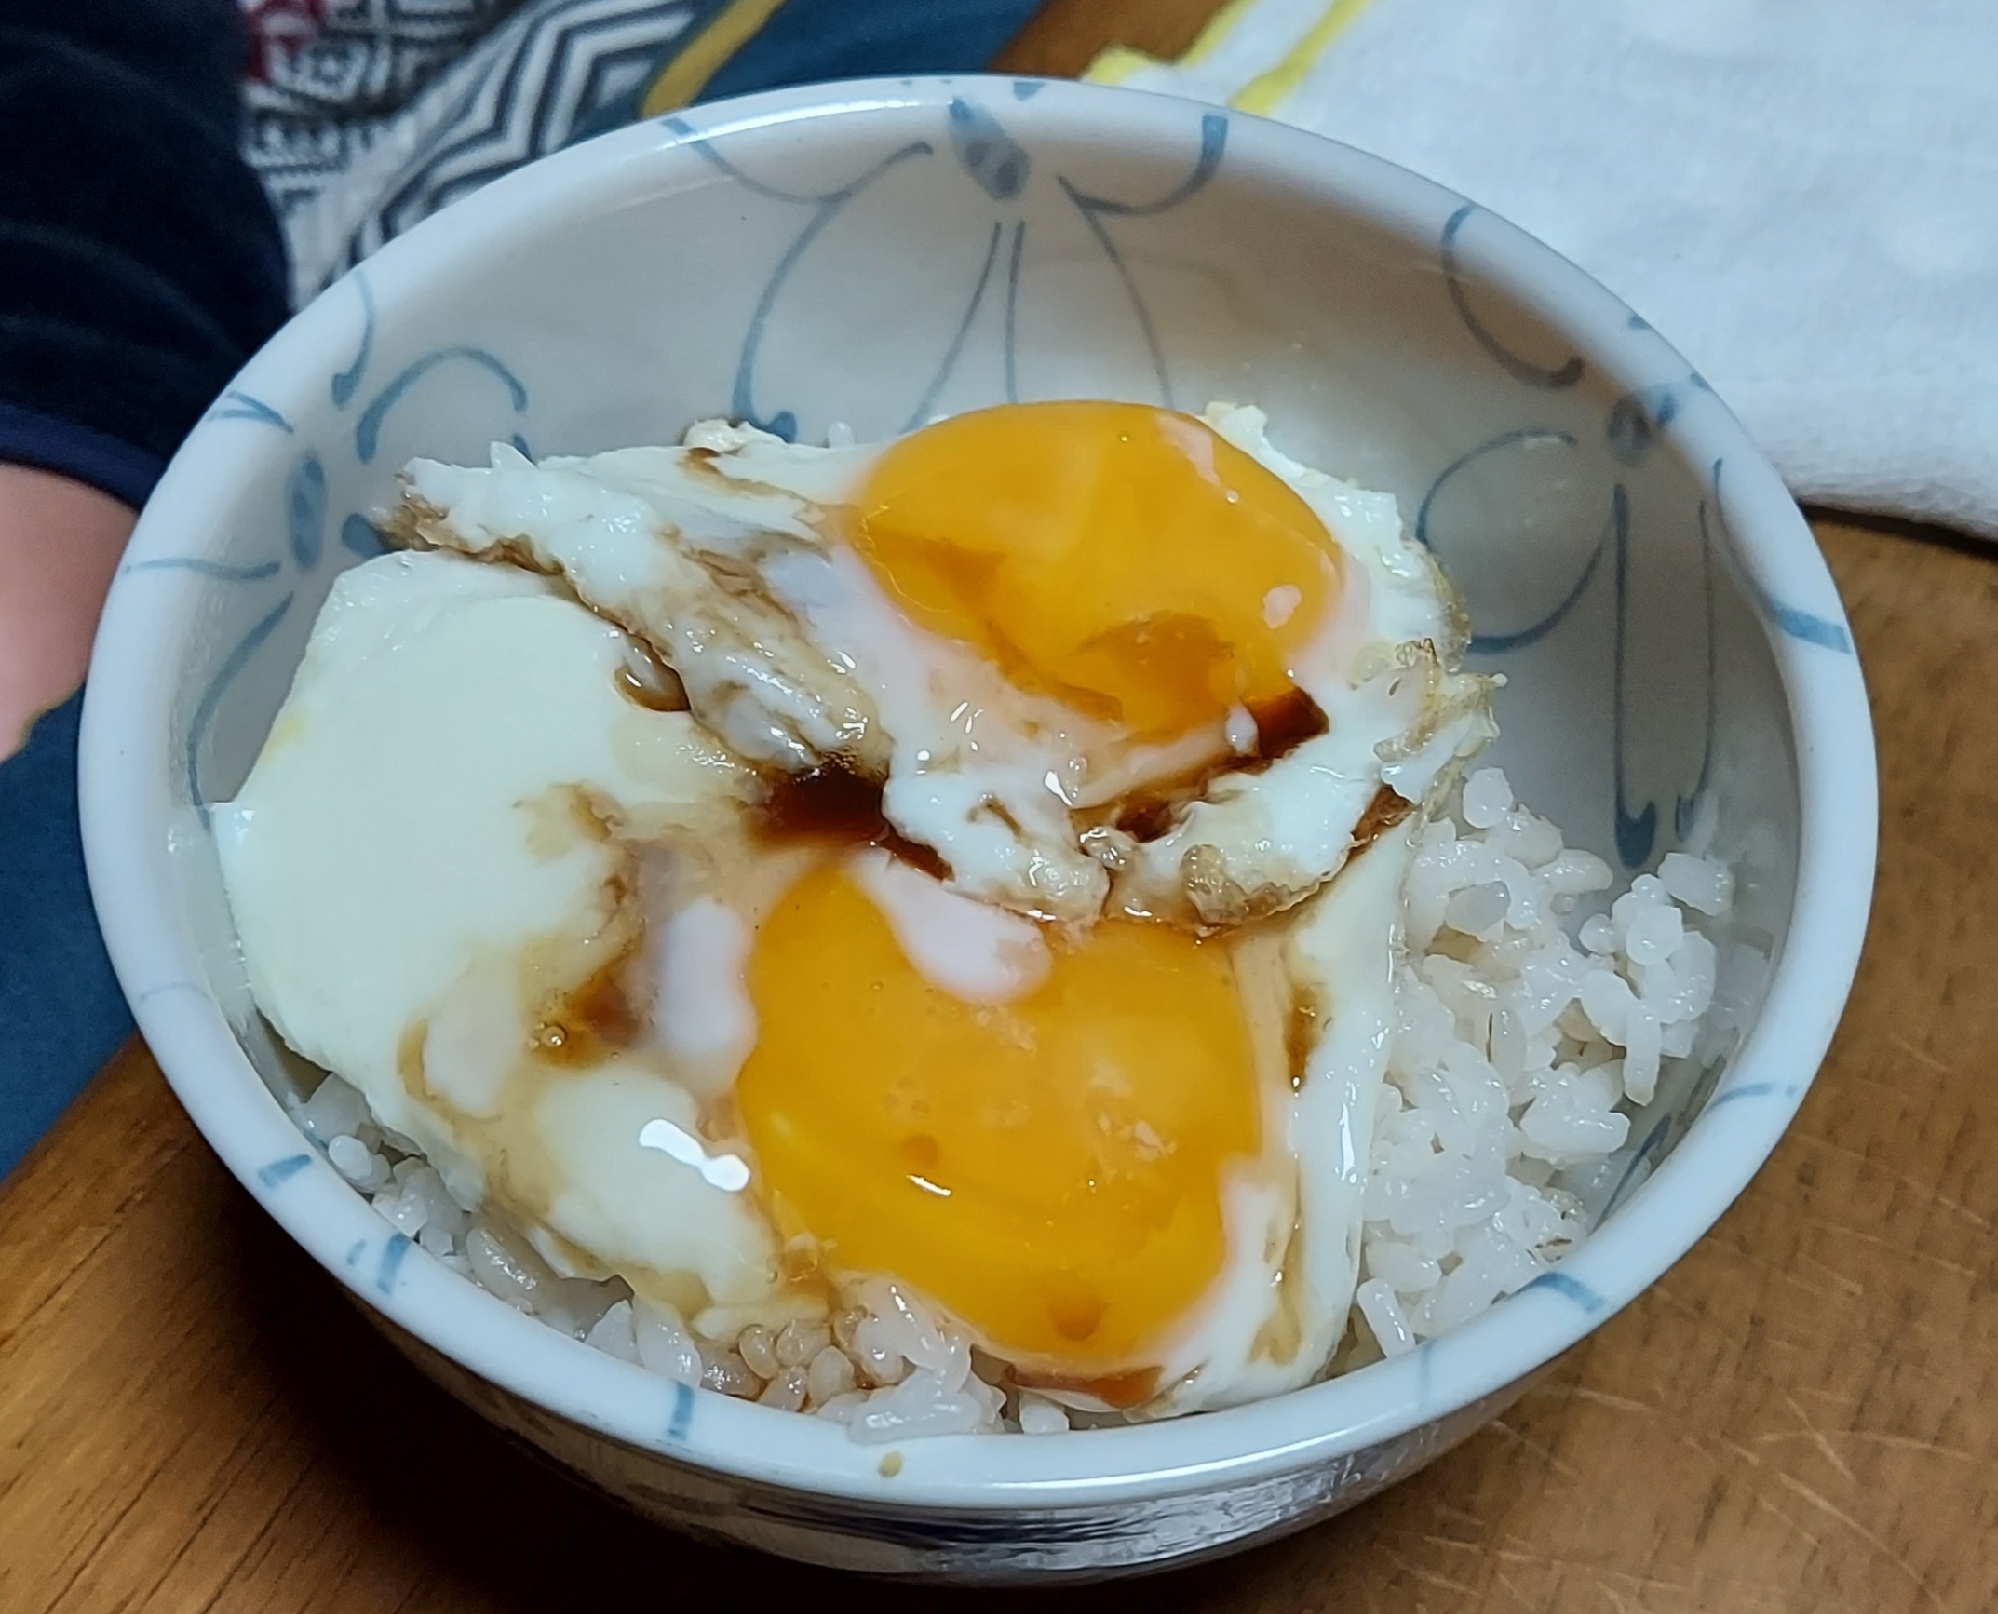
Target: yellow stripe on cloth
[(1264, 93), (1116, 64), (1119, 62), (687, 74)]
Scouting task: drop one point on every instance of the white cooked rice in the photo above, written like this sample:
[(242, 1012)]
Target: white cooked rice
[(1529, 1037)]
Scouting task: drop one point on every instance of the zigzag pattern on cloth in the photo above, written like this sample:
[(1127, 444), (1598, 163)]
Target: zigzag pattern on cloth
[(553, 72), (327, 77)]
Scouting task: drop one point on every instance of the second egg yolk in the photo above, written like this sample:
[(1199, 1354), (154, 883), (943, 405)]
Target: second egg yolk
[(1051, 1169), (1125, 559)]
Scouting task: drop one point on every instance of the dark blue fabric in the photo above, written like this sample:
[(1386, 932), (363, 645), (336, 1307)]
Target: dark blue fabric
[(139, 262), (124, 472), (140, 266), (809, 40), (61, 1013)]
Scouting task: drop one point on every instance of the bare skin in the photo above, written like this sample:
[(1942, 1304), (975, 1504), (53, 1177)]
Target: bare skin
[(59, 547)]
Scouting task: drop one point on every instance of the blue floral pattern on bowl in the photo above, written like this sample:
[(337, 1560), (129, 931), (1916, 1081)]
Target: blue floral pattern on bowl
[(932, 245)]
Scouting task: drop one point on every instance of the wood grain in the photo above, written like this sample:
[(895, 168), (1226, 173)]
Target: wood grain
[(1800, 1418), (1065, 36)]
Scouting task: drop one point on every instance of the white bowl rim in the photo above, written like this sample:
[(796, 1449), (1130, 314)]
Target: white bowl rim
[(126, 833)]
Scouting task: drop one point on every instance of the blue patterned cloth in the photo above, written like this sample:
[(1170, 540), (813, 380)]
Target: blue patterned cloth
[(61, 1013), (140, 265), (347, 176)]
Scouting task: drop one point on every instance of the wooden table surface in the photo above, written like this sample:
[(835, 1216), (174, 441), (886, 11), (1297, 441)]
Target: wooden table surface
[(1801, 1417)]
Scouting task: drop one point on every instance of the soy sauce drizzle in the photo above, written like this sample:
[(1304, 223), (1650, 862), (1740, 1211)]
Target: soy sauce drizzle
[(1117, 1390), (1282, 725), (586, 1024), (832, 803), (644, 679), (1386, 810), (1300, 1034)]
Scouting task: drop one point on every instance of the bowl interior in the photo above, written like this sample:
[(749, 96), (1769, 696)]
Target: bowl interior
[(876, 255)]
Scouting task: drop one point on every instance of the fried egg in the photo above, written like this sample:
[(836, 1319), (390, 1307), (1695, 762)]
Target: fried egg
[(1010, 912), (1069, 720)]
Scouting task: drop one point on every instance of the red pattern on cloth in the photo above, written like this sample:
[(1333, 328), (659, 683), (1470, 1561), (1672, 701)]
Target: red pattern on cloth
[(276, 27)]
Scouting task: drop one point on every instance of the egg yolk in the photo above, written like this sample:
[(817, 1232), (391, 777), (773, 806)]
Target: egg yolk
[(1049, 1169), (1122, 558)]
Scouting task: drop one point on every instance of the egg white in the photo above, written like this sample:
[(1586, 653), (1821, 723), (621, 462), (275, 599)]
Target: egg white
[(1279, 1309), (414, 873)]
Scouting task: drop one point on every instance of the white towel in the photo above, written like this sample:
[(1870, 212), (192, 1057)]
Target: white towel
[(1802, 195)]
